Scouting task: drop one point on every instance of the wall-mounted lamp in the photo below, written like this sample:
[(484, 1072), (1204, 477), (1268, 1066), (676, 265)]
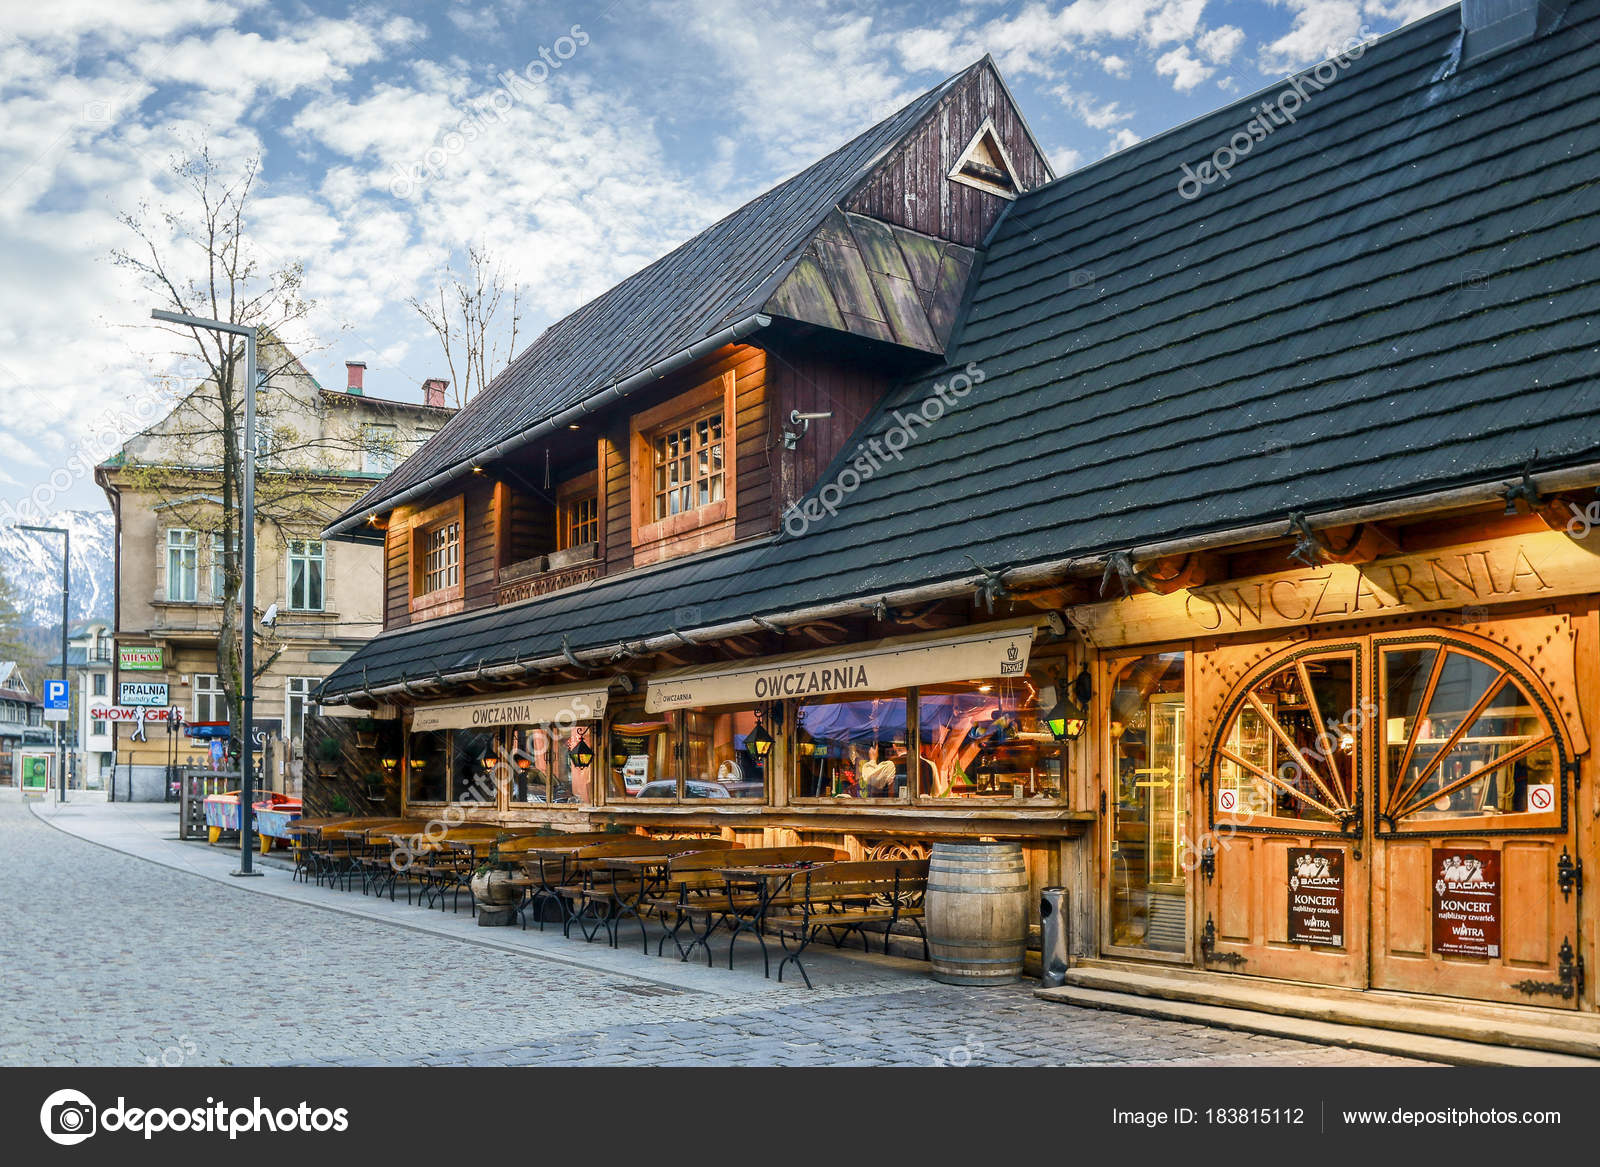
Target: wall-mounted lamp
[(390, 766), (758, 741), (1069, 717), (791, 438), (581, 754)]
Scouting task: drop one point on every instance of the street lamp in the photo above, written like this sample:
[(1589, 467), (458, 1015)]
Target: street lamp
[(66, 584), (247, 622)]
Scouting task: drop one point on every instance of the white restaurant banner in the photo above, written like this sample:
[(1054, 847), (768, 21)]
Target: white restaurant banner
[(529, 707), (887, 665)]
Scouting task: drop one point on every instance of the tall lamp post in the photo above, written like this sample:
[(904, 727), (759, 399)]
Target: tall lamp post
[(66, 584), (247, 630)]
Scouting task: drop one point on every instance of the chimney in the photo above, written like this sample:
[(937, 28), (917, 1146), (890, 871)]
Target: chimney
[(354, 372), (433, 392)]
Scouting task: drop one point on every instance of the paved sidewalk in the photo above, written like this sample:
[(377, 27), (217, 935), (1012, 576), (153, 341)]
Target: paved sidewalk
[(145, 950)]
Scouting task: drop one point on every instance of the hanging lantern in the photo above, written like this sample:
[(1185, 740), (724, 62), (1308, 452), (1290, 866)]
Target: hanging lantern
[(582, 753), (759, 742), (1068, 718)]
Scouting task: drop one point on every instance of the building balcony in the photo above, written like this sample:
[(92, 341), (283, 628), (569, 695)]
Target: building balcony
[(549, 573)]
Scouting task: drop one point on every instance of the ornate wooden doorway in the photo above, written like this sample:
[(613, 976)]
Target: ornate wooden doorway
[(1394, 810)]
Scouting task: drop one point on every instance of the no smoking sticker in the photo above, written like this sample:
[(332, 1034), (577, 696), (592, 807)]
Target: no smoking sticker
[(1541, 797), (1227, 801)]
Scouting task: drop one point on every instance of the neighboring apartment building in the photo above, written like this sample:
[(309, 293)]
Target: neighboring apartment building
[(21, 720), (319, 450), (91, 655)]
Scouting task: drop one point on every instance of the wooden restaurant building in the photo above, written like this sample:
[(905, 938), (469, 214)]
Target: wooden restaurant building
[(1232, 544)]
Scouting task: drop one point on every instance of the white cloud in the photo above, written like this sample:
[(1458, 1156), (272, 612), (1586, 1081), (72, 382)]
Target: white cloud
[(1184, 69), (1320, 28), (1122, 139), (1115, 65), (1219, 44)]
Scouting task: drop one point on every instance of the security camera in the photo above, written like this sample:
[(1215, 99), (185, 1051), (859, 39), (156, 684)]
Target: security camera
[(270, 616)]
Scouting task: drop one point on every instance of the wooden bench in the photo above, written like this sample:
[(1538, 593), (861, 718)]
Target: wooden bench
[(840, 898), (601, 894)]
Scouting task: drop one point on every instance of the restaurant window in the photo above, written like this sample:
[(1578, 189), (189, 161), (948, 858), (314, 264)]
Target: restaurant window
[(723, 762), (427, 766), (307, 565), (643, 756), (1149, 776), (1462, 739), (183, 554), (988, 739), (542, 767), (209, 702), (473, 766), (851, 748), (1289, 749)]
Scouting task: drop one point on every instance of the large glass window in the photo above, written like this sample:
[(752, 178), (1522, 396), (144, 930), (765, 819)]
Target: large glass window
[(721, 760), (1462, 739), (987, 739), (1149, 758), (643, 753), (543, 769), (427, 766), (183, 555), (851, 748), (473, 766)]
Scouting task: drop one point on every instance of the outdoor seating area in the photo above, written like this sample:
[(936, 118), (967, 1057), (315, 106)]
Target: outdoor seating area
[(690, 894)]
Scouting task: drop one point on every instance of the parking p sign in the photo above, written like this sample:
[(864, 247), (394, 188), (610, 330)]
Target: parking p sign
[(56, 701)]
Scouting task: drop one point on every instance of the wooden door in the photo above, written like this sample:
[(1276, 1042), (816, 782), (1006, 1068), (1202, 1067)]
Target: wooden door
[(1474, 826), (1283, 859)]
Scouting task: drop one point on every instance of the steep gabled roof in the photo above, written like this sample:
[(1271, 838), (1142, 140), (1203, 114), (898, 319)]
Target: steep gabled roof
[(717, 278), (1393, 295)]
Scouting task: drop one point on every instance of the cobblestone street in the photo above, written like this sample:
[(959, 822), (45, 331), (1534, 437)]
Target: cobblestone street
[(112, 959)]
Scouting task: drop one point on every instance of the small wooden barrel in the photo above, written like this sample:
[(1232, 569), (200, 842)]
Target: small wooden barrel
[(977, 912)]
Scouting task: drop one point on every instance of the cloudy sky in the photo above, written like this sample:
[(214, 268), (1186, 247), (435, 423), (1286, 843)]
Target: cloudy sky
[(388, 142)]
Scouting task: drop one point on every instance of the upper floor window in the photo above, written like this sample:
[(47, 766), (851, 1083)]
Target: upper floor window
[(377, 448), (210, 704), (441, 564), (183, 562), (219, 578), (99, 684), (437, 555), (683, 472), (307, 560), (690, 470), (297, 703)]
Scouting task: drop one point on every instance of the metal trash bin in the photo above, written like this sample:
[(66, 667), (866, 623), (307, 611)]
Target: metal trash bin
[(1053, 956)]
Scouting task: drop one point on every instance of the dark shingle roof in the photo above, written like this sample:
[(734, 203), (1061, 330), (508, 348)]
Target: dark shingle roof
[(719, 277), (1393, 295)]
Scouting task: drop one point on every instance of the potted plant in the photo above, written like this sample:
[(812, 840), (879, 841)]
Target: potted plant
[(366, 733), (328, 749), (494, 891)]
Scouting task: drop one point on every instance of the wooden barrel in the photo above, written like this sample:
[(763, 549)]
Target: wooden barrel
[(977, 912)]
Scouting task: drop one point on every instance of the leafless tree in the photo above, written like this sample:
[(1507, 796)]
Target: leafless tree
[(464, 313), (196, 256)]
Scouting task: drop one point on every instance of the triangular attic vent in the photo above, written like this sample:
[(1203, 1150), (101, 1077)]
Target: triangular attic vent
[(986, 165)]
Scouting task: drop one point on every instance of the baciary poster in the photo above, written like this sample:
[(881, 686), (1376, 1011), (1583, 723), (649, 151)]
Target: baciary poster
[(1316, 895), (1466, 902)]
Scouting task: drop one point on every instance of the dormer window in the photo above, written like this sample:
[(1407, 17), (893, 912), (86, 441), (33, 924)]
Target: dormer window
[(984, 164), (579, 521), (682, 473), (437, 561)]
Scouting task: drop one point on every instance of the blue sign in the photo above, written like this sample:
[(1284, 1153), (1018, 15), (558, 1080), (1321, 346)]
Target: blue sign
[(57, 701)]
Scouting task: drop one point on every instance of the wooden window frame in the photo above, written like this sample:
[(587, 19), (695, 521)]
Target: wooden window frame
[(701, 528), (441, 601), (569, 493)]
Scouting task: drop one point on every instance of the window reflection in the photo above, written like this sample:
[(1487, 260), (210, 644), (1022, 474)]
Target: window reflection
[(987, 739), (721, 763), (851, 748), (642, 748)]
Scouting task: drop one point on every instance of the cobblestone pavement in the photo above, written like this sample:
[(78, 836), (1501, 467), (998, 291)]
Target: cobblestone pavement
[(113, 959)]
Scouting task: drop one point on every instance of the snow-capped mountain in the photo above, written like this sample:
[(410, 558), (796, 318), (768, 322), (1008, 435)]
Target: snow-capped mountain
[(32, 562)]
